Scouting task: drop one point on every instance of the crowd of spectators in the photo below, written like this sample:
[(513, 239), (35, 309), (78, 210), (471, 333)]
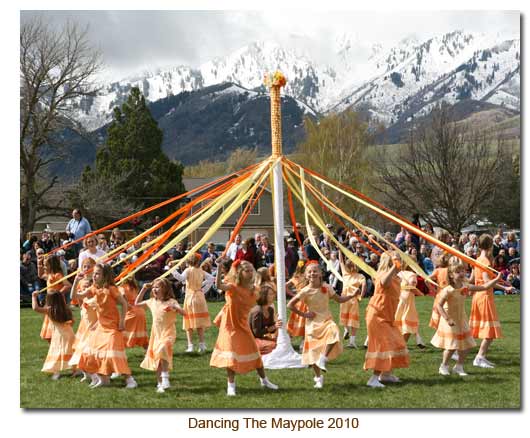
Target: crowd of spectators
[(259, 251)]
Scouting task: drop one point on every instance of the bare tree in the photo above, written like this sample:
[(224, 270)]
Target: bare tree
[(447, 175), (337, 146), (57, 68)]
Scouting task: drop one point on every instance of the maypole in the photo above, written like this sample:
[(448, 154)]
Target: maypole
[(283, 356)]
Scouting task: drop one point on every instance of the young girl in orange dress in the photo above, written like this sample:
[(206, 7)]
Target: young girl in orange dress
[(453, 333), (49, 269), (164, 308), (296, 322), (105, 352), (386, 347), (235, 348), (88, 317), (322, 338), (354, 284), (62, 338), (198, 282), (406, 318), (135, 331), (440, 277), (484, 321)]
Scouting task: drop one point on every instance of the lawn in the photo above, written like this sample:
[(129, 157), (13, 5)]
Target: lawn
[(195, 385)]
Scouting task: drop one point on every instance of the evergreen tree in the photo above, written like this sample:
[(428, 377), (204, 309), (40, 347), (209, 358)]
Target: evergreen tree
[(133, 151)]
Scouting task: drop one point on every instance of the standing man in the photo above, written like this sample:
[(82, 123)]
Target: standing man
[(234, 246), (77, 228)]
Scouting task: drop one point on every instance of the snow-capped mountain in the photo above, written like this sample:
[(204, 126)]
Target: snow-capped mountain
[(392, 81), (449, 68)]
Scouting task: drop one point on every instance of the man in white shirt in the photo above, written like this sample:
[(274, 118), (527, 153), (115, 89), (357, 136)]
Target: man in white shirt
[(234, 246)]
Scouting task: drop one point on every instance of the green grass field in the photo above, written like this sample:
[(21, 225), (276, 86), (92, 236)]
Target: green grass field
[(197, 386)]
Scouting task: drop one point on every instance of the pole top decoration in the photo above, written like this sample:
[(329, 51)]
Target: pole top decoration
[(275, 81)]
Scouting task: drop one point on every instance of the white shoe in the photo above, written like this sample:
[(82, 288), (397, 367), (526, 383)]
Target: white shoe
[(100, 382), (56, 376), (160, 389), (94, 378), (115, 376), (202, 348), (389, 378), (352, 344), (131, 383), (266, 383), (165, 383), (190, 348), (322, 361), (459, 369), (444, 370), (346, 334), (373, 382), (231, 390), (488, 362), (482, 363), (319, 382)]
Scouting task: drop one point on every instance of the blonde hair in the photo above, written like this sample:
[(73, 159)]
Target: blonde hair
[(455, 265), (237, 268), (317, 266), (385, 262), (167, 289)]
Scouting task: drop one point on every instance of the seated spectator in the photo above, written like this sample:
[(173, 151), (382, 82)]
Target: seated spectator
[(426, 262), (45, 242), (28, 244), (263, 321), (210, 253), (500, 264), (512, 254), (511, 241), (471, 247), (514, 276), (116, 238), (103, 245), (497, 244), (29, 280), (91, 250)]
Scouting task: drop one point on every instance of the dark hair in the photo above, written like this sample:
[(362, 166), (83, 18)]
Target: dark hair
[(58, 310), (79, 211), (108, 275), (53, 265)]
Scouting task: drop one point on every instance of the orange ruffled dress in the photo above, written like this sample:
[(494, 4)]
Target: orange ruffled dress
[(163, 334), (46, 329), (195, 304), (60, 351), (386, 346), (296, 323), (135, 331), (406, 318), (484, 321), (321, 330), (349, 311), (440, 277), (236, 347), (87, 324), (457, 337), (105, 351)]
